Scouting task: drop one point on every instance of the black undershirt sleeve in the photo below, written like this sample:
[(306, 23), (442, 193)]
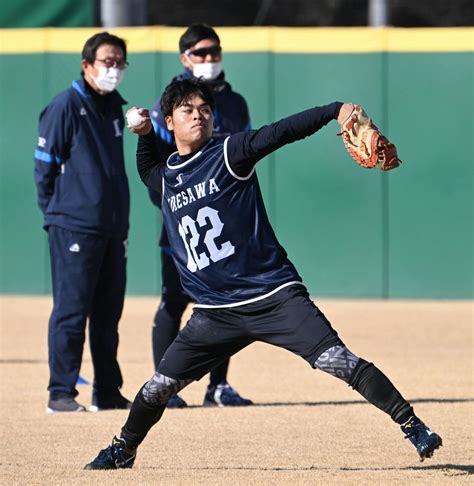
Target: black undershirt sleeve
[(245, 149), (163, 151), (149, 165)]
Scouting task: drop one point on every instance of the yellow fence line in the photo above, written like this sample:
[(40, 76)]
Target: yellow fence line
[(300, 40)]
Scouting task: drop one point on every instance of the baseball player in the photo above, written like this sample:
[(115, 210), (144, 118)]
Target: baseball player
[(201, 56), (232, 265), (84, 196)]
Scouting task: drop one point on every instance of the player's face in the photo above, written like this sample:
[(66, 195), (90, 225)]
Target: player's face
[(192, 124)]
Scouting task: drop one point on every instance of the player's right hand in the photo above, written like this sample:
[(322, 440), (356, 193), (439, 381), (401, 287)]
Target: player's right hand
[(142, 130)]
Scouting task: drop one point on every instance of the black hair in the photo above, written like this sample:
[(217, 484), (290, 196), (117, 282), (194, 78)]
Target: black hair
[(180, 91), (90, 47), (195, 33)]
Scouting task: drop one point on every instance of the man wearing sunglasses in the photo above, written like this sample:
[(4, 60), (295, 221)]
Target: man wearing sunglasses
[(201, 57), (84, 196)]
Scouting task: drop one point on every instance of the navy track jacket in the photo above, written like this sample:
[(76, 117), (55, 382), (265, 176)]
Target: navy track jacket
[(79, 163)]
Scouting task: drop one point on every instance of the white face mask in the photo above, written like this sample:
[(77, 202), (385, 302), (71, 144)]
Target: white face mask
[(207, 70), (108, 79)]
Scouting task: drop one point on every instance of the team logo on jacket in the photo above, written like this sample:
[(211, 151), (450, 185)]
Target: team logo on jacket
[(75, 248), (118, 130), (83, 112), (41, 142)]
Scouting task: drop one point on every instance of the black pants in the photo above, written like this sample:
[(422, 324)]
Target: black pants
[(166, 323), (287, 319), (88, 276)]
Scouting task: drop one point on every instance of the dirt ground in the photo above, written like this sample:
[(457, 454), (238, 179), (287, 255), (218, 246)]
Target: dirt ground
[(305, 428)]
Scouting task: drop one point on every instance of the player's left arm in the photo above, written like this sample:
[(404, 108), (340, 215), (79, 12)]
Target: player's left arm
[(245, 149)]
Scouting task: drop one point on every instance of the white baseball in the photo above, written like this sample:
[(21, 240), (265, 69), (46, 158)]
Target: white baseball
[(135, 120)]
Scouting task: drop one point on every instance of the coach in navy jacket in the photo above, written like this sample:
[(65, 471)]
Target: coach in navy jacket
[(84, 196)]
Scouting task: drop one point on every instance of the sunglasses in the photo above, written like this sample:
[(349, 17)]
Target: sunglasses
[(204, 51)]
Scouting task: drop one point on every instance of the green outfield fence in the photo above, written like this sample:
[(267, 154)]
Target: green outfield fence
[(53, 13), (351, 232)]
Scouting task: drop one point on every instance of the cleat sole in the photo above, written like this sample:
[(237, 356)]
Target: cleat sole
[(429, 454)]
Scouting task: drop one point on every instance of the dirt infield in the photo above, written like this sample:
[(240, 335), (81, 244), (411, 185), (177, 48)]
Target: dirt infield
[(306, 427)]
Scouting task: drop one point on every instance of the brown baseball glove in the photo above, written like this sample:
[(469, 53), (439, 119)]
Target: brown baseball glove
[(366, 144)]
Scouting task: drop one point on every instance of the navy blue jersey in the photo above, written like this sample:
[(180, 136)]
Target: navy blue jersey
[(222, 242), (79, 163)]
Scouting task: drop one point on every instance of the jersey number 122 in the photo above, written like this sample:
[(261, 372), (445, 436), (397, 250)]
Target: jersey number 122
[(188, 227)]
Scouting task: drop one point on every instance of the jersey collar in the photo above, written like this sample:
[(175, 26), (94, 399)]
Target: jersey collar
[(175, 156)]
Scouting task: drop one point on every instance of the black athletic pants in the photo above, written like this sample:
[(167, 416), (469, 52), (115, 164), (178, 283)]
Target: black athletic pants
[(287, 319)]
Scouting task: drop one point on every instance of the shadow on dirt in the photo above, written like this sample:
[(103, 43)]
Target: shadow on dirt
[(350, 402), (463, 468)]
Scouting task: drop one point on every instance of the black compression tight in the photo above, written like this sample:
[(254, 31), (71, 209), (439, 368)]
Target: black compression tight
[(140, 420), (366, 379), (375, 387), (148, 407)]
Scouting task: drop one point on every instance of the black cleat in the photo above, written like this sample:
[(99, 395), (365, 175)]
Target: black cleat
[(66, 404), (176, 402), (114, 402), (224, 396), (115, 456), (422, 437)]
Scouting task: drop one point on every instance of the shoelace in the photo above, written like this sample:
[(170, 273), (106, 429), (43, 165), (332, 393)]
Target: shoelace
[(229, 392), (103, 453), (412, 432)]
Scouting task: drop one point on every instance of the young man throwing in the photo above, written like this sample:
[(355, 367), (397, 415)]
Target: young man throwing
[(232, 265)]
